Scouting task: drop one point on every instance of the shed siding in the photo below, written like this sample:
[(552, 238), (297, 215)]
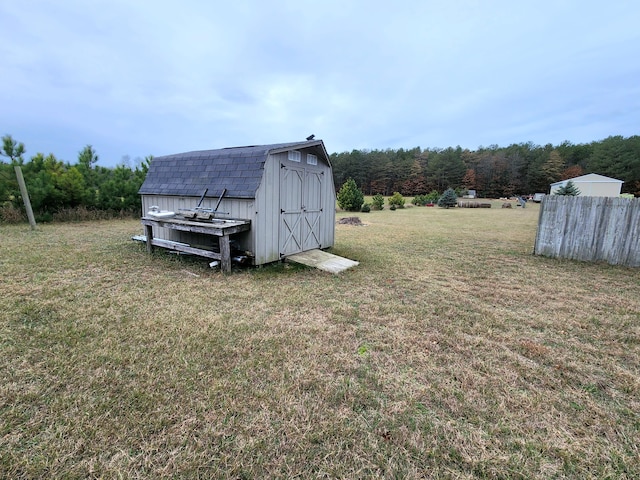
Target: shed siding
[(329, 208), (600, 189), (592, 185), (265, 233), (595, 189), (237, 208)]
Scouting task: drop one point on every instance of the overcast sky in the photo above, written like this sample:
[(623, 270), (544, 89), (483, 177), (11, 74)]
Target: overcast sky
[(134, 78)]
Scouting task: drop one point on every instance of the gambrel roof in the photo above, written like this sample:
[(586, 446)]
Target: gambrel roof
[(238, 169)]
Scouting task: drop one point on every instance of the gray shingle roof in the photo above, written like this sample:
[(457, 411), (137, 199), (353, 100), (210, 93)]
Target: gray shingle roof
[(238, 169)]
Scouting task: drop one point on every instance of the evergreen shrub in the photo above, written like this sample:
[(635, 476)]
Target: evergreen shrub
[(569, 189), (378, 201), (350, 197), (396, 200), (420, 200), (448, 199)]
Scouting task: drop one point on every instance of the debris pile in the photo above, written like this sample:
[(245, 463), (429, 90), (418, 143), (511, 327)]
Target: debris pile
[(350, 221)]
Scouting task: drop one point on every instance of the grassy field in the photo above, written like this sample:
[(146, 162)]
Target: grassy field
[(450, 352)]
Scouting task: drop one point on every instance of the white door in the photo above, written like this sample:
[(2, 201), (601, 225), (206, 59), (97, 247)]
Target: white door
[(312, 209), (291, 188), (300, 209)]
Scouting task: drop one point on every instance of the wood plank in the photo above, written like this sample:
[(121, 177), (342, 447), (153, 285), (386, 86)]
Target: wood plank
[(181, 247), (215, 227)]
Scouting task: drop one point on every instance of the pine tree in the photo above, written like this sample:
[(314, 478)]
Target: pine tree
[(448, 199), (553, 167), (569, 189), (12, 149), (350, 197)]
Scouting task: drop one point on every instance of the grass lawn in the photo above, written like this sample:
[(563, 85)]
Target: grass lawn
[(449, 352)]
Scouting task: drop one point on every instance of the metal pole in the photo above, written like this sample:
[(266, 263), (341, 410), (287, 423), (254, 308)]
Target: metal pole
[(25, 196)]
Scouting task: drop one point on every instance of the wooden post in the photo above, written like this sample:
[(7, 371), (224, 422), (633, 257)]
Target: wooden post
[(148, 230), (225, 253), (25, 196)]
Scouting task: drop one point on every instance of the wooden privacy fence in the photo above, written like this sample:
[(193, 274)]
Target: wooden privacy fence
[(590, 229)]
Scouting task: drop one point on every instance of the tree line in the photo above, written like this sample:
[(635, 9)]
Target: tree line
[(493, 172), (55, 185)]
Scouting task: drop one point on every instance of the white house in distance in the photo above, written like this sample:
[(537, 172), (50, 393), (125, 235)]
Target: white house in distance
[(592, 185)]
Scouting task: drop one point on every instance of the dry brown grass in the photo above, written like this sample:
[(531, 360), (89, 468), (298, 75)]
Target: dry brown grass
[(11, 214), (450, 351)]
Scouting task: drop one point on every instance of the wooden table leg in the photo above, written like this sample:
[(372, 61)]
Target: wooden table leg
[(225, 253), (148, 230)]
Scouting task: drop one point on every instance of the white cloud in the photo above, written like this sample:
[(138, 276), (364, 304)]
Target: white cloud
[(158, 77)]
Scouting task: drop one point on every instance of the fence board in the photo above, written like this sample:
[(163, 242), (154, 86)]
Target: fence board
[(590, 229)]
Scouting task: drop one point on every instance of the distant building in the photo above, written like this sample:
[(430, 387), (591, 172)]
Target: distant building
[(537, 197), (592, 185)]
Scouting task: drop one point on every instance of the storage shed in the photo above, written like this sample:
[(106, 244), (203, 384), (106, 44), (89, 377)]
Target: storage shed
[(285, 190), (592, 185)]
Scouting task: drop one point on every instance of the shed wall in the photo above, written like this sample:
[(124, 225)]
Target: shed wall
[(595, 189), (599, 189), (264, 231), (237, 208)]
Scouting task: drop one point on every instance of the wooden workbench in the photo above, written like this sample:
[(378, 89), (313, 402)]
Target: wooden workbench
[(217, 228)]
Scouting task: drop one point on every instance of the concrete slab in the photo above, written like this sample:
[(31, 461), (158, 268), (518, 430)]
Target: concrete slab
[(322, 260)]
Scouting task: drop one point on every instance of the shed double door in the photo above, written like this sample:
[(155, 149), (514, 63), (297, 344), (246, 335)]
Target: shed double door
[(300, 209)]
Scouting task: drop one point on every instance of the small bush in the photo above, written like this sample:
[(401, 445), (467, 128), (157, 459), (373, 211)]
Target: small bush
[(366, 208), (44, 217), (433, 196), (420, 200), (10, 214), (396, 200), (392, 208), (378, 201), (84, 214), (426, 199)]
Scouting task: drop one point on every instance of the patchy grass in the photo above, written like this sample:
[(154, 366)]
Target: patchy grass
[(450, 351)]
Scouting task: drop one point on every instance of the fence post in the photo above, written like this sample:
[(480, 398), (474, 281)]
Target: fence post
[(25, 196)]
